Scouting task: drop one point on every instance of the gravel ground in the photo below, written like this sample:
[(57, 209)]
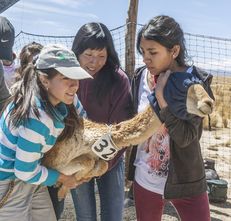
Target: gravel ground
[(219, 212)]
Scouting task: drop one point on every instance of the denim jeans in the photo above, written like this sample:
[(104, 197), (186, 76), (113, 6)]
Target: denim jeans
[(111, 193)]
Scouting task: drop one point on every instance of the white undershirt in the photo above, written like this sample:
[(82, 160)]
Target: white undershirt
[(151, 173)]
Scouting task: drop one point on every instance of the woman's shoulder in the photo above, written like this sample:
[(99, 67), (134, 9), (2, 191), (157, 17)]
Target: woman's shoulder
[(122, 74), (42, 116), (122, 80)]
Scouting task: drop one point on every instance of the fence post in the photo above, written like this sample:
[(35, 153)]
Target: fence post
[(130, 61), (130, 37)]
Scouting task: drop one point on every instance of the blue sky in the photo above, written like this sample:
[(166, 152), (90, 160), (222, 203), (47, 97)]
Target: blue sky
[(64, 17)]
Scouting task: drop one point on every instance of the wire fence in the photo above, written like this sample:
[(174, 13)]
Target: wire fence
[(209, 53)]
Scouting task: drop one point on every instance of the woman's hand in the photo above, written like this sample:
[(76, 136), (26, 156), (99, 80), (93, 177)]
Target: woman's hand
[(159, 89)]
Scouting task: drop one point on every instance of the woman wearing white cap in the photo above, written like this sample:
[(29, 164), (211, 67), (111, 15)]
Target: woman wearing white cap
[(41, 110)]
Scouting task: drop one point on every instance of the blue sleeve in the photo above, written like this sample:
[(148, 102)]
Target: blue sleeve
[(28, 168)]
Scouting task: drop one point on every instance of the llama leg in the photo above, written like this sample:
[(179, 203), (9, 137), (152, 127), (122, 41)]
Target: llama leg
[(79, 166), (62, 192), (99, 169)]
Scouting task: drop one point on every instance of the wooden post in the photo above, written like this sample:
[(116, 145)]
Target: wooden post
[(130, 60), (130, 37)]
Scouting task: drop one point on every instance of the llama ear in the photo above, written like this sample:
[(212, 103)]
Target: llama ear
[(198, 101), (186, 97)]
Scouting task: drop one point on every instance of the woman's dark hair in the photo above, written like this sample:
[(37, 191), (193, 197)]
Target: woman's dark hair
[(24, 100), (167, 32), (27, 55), (97, 36)]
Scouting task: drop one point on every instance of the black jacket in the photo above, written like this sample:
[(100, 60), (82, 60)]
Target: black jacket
[(186, 176)]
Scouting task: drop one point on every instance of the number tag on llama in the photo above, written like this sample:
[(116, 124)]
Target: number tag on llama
[(105, 148)]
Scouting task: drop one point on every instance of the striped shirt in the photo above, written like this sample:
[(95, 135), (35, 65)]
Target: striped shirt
[(22, 148)]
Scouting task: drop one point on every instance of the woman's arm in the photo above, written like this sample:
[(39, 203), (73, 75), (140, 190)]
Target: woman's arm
[(181, 131), (31, 139)]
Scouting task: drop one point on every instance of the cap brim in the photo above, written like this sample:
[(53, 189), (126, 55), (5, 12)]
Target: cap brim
[(76, 73)]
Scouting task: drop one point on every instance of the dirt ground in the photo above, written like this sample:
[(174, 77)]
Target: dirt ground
[(218, 211)]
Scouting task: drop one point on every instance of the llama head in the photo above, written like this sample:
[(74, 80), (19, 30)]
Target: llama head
[(185, 96), (198, 101)]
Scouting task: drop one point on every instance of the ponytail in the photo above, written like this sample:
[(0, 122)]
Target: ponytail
[(27, 55), (24, 95)]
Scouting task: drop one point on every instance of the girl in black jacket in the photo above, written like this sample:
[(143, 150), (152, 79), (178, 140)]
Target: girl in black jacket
[(169, 165)]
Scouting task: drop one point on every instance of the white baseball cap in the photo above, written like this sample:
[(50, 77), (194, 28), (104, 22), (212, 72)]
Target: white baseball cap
[(61, 59)]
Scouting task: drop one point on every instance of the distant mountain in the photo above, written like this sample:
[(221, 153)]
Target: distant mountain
[(218, 72)]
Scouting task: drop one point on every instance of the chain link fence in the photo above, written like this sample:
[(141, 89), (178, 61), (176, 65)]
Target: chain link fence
[(209, 53)]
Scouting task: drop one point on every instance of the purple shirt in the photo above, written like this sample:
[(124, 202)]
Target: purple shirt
[(115, 108)]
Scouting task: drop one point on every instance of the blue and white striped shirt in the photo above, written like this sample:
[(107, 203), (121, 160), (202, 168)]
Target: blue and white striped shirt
[(22, 148)]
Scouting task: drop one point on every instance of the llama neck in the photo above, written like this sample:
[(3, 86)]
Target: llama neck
[(137, 129)]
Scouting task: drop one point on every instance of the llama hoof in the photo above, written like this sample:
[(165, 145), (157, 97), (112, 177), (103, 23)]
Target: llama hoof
[(62, 193)]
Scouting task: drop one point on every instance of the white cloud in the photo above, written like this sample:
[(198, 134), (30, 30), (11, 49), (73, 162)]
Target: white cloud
[(72, 3)]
